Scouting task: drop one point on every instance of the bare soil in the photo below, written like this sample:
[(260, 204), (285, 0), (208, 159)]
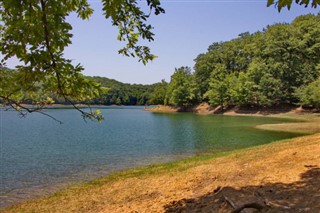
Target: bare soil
[(283, 177), (206, 109)]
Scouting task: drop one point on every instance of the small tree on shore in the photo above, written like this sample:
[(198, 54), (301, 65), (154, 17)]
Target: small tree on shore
[(310, 95)]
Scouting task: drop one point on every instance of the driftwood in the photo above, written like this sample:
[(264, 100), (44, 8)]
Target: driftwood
[(275, 205), (230, 202), (253, 205), (240, 209)]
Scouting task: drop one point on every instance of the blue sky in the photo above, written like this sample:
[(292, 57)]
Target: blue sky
[(186, 29)]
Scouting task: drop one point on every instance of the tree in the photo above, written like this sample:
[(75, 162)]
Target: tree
[(182, 89), (205, 63), (220, 84), (310, 95), (266, 88), (287, 3), (36, 33), (159, 93), (243, 90), (203, 67)]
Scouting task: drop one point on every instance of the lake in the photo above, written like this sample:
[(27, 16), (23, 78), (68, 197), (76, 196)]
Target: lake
[(39, 155)]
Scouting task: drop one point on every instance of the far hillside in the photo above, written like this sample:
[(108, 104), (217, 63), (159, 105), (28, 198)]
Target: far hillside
[(122, 93)]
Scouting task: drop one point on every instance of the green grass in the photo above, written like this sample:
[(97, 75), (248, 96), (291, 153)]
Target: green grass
[(157, 169), (301, 117), (308, 123)]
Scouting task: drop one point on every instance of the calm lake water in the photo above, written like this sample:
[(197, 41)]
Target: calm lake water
[(38, 155)]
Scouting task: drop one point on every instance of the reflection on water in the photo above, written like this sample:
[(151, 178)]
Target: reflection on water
[(38, 155)]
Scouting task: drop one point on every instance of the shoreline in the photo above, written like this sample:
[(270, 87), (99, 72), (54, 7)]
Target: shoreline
[(206, 109), (138, 174), (308, 122)]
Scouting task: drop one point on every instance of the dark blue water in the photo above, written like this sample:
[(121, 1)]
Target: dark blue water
[(38, 155)]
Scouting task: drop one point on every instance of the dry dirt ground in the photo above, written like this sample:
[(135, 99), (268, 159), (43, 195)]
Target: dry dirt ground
[(286, 179), (279, 177), (206, 109)]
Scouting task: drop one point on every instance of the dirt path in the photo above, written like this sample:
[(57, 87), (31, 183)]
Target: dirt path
[(283, 177)]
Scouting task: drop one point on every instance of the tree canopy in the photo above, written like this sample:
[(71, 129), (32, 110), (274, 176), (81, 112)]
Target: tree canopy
[(36, 33), (182, 90), (287, 3)]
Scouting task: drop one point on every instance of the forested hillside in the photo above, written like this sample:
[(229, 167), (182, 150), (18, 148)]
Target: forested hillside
[(122, 93), (118, 93), (280, 64)]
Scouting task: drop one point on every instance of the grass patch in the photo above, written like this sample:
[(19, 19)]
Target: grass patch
[(155, 169), (298, 116), (310, 123)]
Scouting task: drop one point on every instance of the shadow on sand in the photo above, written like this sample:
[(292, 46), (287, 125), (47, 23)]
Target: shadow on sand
[(300, 196)]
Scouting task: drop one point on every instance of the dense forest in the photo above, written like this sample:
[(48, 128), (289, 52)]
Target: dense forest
[(123, 94), (280, 64), (118, 93)]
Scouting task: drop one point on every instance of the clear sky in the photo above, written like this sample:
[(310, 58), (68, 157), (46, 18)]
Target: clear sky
[(186, 29)]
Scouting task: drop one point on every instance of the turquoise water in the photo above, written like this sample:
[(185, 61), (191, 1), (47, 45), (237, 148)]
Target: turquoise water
[(38, 155)]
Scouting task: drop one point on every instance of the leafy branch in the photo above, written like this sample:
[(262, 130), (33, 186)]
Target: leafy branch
[(36, 32)]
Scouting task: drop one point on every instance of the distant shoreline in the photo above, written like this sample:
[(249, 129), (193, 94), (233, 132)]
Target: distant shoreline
[(206, 109)]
